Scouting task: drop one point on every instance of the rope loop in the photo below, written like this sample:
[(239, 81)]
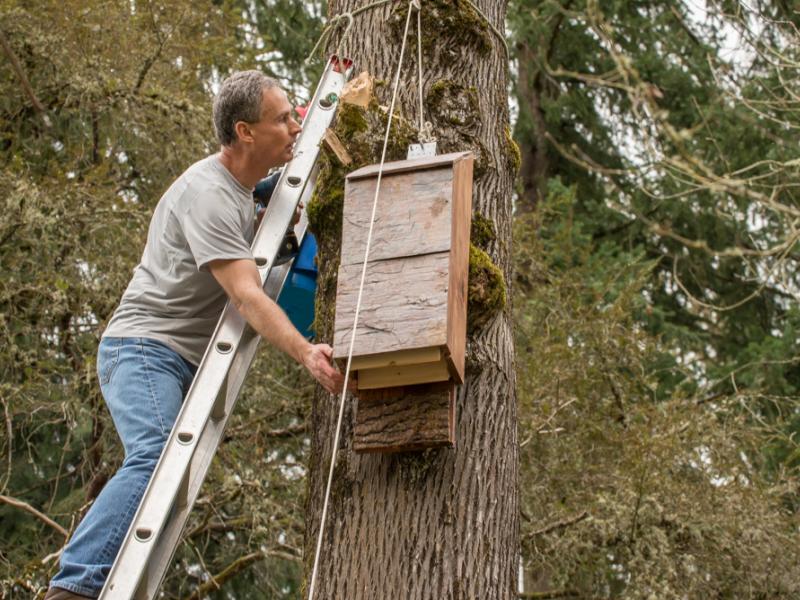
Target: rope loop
[(334, 21), (426, 133), (416, 4), (492, 28)]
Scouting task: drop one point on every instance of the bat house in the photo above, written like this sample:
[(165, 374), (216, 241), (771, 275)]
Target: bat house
[(412, 321)]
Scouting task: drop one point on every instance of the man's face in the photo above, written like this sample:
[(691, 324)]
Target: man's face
[(275, 133)]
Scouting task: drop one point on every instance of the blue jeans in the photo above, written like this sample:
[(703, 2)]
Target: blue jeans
[(143, 382)]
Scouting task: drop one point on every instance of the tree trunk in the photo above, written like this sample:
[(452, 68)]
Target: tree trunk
[(535, 163), (441, 524)]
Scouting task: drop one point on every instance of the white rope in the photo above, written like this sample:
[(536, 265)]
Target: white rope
[(358, 309), (419, 64), (425, 132)]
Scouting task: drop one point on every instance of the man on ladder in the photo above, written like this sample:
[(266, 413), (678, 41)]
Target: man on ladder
[(197, 256)]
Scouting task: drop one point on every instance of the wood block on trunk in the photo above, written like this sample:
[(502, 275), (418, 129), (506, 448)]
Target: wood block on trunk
[(405, 418)]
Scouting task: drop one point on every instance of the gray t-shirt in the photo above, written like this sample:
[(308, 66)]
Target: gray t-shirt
[(205, 215)]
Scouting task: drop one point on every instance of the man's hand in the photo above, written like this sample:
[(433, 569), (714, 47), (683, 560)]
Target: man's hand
[(318, 362), (241, 281)]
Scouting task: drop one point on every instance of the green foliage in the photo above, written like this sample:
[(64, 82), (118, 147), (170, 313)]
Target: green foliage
[(624, 496), (282, 33), (126, 90), (679, 153)]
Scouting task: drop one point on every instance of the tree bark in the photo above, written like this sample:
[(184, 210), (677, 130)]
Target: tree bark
[(535, 162), (441, 524)]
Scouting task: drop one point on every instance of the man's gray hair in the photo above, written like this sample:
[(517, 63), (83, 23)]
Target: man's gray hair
[(239, 99)]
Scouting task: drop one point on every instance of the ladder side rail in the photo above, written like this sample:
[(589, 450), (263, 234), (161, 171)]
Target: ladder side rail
[(162, 491), (172, 470)]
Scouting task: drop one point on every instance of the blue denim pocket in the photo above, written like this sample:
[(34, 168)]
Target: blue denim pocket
[(107, 358)]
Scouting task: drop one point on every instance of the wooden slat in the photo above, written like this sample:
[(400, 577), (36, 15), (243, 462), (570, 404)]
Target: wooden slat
[(413, 215), (405, 418), (400, 166), (383, 377), (335, 144), (404, 305), (459, 266), (399, 358)]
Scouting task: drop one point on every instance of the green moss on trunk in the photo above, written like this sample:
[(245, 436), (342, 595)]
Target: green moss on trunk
[(482, 231), (447, 20), (486, 291), (513, 152), (453, 103)]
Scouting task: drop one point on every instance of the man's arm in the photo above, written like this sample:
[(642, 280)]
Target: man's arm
[(240, 280)]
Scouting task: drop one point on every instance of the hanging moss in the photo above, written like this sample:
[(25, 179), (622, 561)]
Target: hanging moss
[(482, 231), (486, 290), (325, 208), (350, 120), (512, 150)]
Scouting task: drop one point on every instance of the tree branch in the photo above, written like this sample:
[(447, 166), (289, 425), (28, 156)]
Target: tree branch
[(233, 569), (39, 515), (560, 524), (23, 79)]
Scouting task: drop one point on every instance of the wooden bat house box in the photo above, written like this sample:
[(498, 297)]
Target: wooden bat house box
[(412, 320)]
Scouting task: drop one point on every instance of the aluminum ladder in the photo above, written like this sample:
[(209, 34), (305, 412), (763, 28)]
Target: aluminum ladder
[(155, 532)]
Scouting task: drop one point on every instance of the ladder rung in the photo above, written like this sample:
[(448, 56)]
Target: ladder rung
[(182, 501), (218, 410)]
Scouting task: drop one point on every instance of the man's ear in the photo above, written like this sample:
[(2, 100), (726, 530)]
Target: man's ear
[(243, 133)]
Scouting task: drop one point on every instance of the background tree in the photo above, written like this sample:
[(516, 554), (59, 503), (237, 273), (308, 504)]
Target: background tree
[(673, 145), (442, 523), (662, 193)]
